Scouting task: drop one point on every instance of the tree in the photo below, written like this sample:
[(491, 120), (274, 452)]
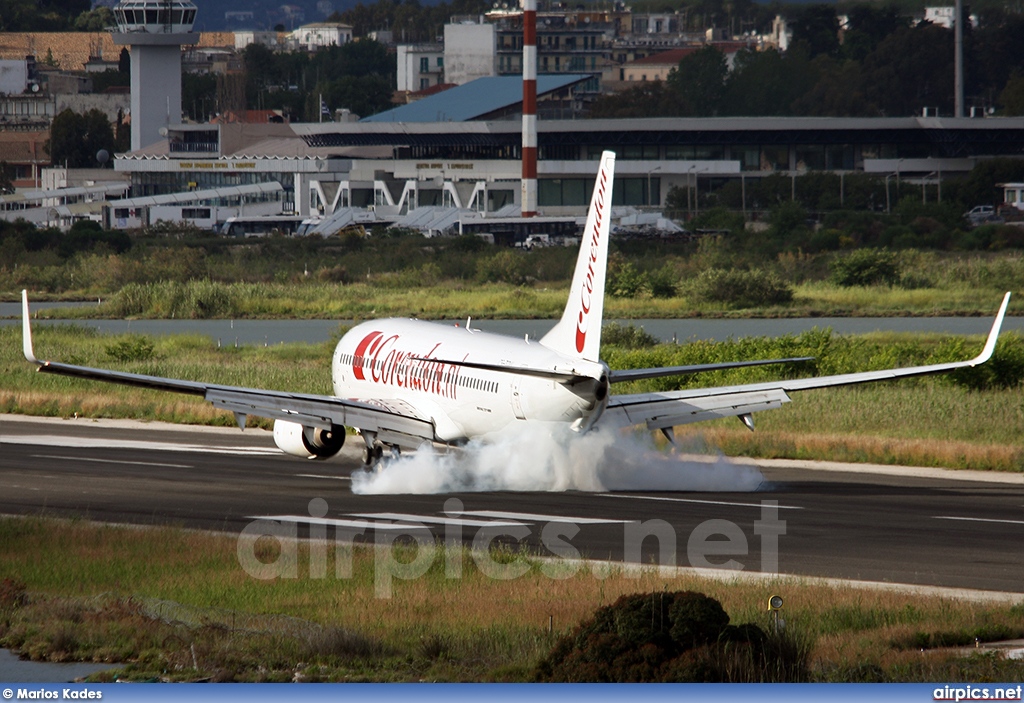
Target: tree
[(816, 27), (868, 26), (1012, 97), (96, 20), (76, 139), (700, 81), (767, 82), (6, 178), (199, 95), (42, 16), (363, 95), (911, 69), (838, 92), (646, 99), (996, 53)]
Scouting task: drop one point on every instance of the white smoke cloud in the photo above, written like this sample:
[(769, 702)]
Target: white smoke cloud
[(535, 456)]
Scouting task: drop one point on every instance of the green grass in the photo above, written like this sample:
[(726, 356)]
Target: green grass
[(936, 421), (177, 605), (456, 300)]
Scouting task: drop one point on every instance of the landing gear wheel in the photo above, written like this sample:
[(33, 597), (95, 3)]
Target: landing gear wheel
[(372, 455)]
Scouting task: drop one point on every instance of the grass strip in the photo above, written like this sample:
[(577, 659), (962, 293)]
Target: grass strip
[(941, 421), (176, 605)]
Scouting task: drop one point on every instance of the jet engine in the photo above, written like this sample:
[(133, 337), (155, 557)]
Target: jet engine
[(308, 442)]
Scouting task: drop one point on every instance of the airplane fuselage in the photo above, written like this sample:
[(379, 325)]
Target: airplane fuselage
[(403, 360)]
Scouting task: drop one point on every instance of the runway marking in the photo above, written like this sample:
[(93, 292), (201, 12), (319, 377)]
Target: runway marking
[(110, 443), (333, 478), (431, 520), (111, 461), (534, 517), (694, 500), (978, 519), (362, 524)]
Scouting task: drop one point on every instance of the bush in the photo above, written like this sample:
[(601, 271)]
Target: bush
[(664, 282), (132, 348), (866, 267), (1004, 370), (740, 289), (627, 336), (625, 281), (676, 636), (12, 594), (505, 267), (133, 299)]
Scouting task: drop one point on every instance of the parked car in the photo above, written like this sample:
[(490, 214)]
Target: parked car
[(980, 214)]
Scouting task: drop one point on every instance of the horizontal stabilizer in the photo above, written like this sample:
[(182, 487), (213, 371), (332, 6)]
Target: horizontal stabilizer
[(640, 374)]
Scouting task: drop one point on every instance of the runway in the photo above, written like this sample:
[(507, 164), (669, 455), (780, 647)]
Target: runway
[(934, 529)]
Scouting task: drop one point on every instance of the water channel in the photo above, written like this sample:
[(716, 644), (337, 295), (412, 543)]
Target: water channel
[(230, 332), (14, 669)]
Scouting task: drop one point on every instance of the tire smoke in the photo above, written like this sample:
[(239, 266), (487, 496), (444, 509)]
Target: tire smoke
[(551, 457)]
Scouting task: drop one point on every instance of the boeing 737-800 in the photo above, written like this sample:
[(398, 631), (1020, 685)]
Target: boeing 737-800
[(402, 382)]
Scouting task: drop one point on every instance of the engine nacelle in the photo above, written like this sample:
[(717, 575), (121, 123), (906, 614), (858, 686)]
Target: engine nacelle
[(308, 442)]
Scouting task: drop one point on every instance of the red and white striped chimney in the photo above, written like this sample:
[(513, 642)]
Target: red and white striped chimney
[(529, 184)]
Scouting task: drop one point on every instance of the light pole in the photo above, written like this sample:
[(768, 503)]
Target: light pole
[(650, 199), (696, 192)]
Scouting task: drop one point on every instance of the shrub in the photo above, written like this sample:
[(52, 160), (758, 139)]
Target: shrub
[(866, 267), (1004, 370), (12, 594), (505, 267), (133, 299), (663, 282), (676, 636), (132, 348), (627, 336), (341, 643), (740, 289), (625, 281)]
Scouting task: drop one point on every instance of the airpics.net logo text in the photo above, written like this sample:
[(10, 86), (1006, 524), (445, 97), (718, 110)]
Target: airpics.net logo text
[(713, 544)]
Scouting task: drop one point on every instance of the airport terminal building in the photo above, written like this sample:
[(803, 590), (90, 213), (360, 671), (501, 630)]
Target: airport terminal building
[(394, 168)]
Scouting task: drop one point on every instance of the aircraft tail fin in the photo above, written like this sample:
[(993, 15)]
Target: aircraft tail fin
[(578, 333)]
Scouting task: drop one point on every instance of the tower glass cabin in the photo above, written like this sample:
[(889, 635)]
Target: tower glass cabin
[(155, 16)]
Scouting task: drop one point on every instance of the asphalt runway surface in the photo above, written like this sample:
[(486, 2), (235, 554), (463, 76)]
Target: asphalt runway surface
[(932, 528)]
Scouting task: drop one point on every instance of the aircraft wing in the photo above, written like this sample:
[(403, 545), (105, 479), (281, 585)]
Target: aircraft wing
[(658, 372), (667, 409), (395, 423)]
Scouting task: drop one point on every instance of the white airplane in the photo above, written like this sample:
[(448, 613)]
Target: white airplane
[(402, 382)]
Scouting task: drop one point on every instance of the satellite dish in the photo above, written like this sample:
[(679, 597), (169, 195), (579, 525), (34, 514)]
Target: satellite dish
[(103, 156)]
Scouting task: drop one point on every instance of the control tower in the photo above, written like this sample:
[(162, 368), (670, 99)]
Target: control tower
[(155, 31)]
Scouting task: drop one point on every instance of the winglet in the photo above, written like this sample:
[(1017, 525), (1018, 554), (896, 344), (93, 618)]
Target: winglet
[(26, 329), (993, 335)]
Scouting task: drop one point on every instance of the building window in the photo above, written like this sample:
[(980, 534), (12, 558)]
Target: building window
[(424, 83), (424, 64)]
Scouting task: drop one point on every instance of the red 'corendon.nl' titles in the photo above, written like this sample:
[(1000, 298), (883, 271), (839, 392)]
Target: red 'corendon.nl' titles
[(380, 357)]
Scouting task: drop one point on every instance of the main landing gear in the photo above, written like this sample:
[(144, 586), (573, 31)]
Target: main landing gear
[(373, 452)]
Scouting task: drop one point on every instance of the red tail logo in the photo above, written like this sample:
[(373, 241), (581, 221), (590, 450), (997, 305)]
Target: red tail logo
[(586, 293)]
